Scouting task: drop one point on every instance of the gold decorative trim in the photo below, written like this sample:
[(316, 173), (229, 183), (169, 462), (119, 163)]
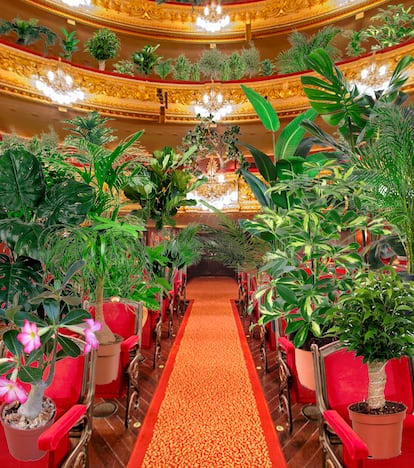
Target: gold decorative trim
[(177, 21), (136, 98)]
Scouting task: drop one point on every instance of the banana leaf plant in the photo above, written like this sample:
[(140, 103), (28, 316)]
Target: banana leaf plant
[(290, 151), (28, 207)]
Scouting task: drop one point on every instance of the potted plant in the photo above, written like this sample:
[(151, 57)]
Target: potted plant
[(310, 212), (103, 45), (33, 342), (163, 68), (69, 44), (367, 123), (294, 59), (28, 32), (126, 67), (110, 244), (210, 63), (375, 320), (182, 68), (392, 26), (146, 59), (251, 60)]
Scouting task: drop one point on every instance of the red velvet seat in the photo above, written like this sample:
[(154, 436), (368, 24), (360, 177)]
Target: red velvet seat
[(72, 390), (122, 320), (342, 379)]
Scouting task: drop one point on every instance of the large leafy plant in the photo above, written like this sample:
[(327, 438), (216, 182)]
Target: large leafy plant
[(290, 150), (376, 322), (313, 247), (28, 207)]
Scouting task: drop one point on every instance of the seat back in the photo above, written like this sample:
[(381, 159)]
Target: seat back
[(121, 318), (342, 379)]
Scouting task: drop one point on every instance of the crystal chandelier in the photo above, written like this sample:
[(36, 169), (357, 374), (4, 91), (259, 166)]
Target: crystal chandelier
[(58, 86), (213, 104), (372, 78), (77, 3), (213, 19)]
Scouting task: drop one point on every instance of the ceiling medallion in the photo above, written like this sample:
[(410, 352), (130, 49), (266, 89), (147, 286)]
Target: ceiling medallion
[(213, 19)]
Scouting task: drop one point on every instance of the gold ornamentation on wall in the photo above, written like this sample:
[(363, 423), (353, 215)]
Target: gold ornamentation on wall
[(178, 20), (133, 97)]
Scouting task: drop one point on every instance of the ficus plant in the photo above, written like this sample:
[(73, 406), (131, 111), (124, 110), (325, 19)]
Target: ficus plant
[(376, 322)]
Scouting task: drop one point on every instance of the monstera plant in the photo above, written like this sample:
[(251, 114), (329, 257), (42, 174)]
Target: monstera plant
[(28, 207)]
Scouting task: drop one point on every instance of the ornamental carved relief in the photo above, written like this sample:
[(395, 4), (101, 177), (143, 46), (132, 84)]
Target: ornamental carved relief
[(118, 95), (178, 19)]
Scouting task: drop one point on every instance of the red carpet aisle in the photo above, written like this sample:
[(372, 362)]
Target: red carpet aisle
[(209, 410)]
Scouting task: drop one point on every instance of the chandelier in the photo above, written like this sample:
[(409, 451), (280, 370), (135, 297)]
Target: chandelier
[(372, 78), (77, 3), (58, 86), (213, 104), (213, 19)]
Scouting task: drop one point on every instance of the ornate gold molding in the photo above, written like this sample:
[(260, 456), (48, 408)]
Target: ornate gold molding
[(175, 21), (121, 96)]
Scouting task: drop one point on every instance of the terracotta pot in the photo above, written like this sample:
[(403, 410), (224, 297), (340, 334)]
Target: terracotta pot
[(22, 442), (381, 432), (304, 367), (107, 361)]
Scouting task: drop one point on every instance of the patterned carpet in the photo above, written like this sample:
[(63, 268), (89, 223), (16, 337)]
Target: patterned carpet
[(209, 409)]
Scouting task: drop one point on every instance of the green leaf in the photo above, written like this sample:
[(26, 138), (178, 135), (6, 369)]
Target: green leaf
[(263, 163), (69, 347), (19, 279), (292, 135), (258, 187), (10, 340), (75, 317), (286, 294), (263, 108), (66, 203), (30, 374), (21, 181)]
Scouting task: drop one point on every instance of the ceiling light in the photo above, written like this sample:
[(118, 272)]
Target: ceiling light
[(77, 3), (213, 18), (372, 78), (59, 87), (213, 104)]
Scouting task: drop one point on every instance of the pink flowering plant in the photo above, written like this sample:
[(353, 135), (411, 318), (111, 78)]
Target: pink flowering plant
[(34, 341)]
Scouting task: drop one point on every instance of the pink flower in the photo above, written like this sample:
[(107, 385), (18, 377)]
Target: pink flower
[(90, 338), (11, 391), (29, 337)]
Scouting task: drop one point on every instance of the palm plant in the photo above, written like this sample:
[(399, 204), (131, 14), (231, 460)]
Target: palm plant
[(232, 245), (386, 165), (294, 59), (28, 32)]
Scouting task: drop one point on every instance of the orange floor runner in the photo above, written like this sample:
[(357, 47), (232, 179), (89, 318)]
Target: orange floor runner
[(208, 409)]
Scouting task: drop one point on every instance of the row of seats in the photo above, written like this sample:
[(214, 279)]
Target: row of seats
[(340, 379)]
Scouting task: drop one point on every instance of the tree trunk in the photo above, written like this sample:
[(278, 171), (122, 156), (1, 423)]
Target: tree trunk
[(105, 335), (376, 386), (33, 405)]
